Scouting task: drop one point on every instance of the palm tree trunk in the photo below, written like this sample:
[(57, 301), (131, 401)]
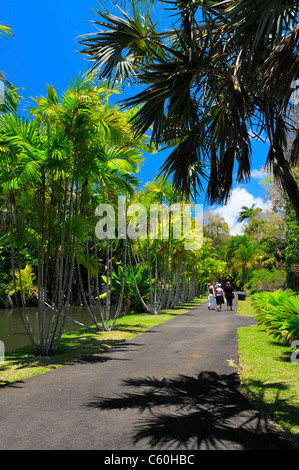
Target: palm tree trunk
[(178, 281), (98, 292), (121, 295), (156, 279), (58, 337), (89, 310), (149, 263), (108, 284), (40, 275), (21, 311), (58, 295), (136, 286)]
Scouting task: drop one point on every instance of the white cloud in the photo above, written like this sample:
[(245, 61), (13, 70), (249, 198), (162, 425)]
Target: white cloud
[(230, 212), (258, 174)]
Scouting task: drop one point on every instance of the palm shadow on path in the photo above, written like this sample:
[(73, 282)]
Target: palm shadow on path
[(203, 412)]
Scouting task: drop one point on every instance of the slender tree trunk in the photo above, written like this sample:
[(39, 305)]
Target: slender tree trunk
[(135, 283), (178, 281), (149, 263), (98, 291), (58, 296), (21, 310), (40, 276), (10, 301), (85, 302), (58, 337), (121, 296), (108, 284)]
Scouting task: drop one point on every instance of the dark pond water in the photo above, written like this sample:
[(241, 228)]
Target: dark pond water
[(12, 332)]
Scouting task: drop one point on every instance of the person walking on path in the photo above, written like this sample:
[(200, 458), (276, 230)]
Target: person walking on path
[(229, 295), (211, 296), (220, 297)]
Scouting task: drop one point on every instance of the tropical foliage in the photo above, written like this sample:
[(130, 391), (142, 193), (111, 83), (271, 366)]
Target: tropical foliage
[(278, 312), (57, 165), (131, 294), (210, 82), (55, 169)]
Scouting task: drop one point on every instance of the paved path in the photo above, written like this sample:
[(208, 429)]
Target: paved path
[(169, 388)]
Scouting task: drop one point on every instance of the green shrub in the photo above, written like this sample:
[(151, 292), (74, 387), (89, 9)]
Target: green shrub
[(266, 280), (278, 312), (131, 296)]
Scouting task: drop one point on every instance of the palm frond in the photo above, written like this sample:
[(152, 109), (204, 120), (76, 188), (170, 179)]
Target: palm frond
[(186, 166), (114, 50), (281, 69), (5, 31), (259, 23)]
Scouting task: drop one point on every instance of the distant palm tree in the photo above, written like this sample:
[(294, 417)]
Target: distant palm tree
[(247, 212), (244, 259)]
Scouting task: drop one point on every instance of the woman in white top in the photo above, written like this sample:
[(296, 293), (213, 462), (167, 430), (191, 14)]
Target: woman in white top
[(220, 296)]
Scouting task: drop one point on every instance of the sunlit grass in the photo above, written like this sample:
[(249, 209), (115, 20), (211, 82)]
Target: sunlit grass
[(245, 308)]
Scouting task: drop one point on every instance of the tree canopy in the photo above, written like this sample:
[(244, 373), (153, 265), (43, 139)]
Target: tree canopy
[(216, 75)]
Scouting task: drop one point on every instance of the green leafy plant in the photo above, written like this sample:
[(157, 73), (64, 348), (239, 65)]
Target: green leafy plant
[(131, 295), (26, 285), (278, 312)]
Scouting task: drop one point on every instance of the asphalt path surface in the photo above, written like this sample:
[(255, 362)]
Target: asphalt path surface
[(170, 388)]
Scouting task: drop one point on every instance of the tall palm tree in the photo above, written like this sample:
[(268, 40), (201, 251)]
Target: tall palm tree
[(225, 70), (245, 258)]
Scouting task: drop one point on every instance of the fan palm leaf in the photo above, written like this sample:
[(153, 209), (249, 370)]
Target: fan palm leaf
[(256, 23), (115, 50)]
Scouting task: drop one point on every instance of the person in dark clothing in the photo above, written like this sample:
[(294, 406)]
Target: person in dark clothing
[(229, 295)]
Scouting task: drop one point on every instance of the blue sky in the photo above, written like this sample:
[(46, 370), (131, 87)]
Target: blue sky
[(44, 50)]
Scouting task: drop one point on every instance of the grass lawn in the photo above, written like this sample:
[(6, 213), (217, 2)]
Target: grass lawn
[(267, 375), (245, 308), (21, 363)]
